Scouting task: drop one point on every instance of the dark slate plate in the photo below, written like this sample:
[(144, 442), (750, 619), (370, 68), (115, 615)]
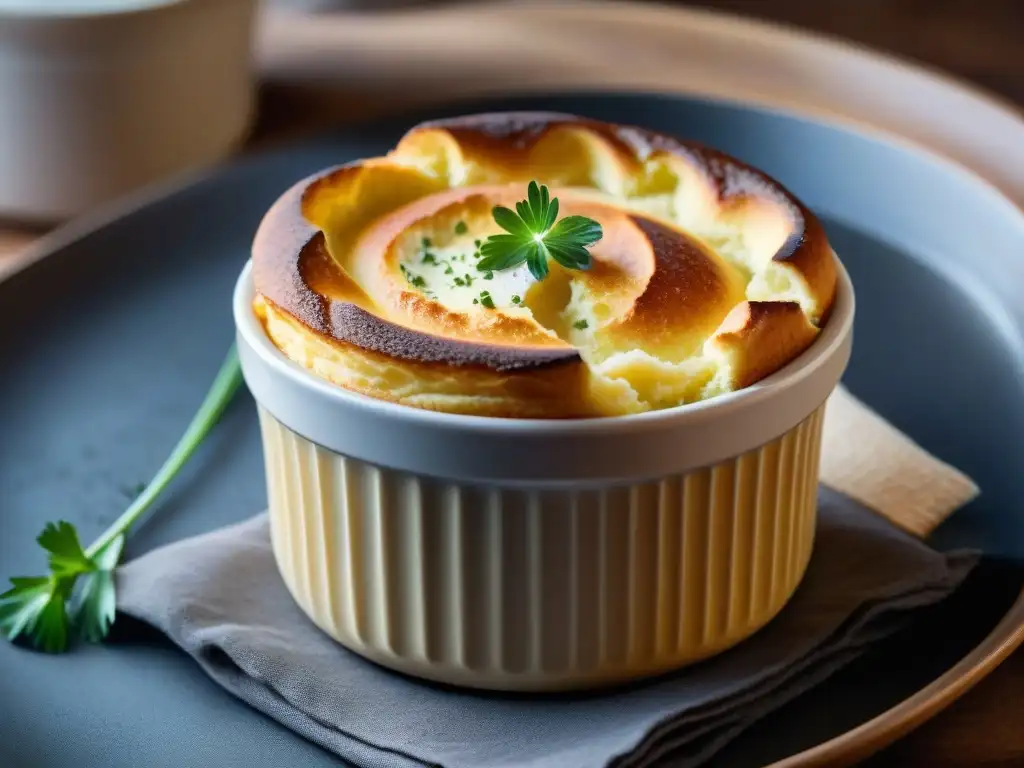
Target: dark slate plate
[(109, 343)]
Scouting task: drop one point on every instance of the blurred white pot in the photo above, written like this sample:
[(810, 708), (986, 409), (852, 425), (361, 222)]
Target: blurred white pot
[(100, 97)]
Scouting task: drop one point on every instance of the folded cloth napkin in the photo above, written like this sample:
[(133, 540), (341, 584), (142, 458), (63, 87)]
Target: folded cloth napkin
[(219, 597)]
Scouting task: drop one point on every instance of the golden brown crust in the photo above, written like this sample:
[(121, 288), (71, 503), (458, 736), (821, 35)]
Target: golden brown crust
[(289, 253), (504, 139), (552, 391), (759, 337), (707, 267)]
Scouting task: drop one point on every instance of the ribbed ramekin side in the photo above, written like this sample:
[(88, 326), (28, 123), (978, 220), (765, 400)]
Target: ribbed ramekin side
[(541, 589)]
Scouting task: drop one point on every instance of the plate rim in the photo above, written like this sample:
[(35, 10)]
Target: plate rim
[(284, 32), (885, 728), (848, 747)]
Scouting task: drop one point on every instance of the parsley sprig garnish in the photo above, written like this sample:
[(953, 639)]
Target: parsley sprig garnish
[(77, 598), (533, 235)]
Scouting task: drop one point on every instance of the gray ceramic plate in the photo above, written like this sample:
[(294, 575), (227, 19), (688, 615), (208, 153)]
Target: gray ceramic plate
[(109, 342)]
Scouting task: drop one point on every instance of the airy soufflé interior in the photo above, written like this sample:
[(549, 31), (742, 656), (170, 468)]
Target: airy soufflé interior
[(709, 275)]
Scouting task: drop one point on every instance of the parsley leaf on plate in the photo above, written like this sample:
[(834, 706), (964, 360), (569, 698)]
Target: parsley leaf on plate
[(95, 602), (35, 608), (67, 557), (81, 581)]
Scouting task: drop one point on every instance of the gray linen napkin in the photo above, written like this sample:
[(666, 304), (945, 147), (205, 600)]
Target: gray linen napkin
[(220, 598)]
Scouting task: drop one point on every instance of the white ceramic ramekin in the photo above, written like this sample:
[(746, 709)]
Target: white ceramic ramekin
[(541, 555), (101, 97)]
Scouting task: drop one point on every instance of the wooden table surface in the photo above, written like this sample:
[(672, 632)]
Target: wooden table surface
[(979, 40)]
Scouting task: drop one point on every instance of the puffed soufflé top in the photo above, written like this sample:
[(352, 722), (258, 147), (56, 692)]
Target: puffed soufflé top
[(709, 275)]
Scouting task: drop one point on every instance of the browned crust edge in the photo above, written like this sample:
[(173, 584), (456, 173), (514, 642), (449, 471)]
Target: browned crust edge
[(283, 238), (763, 336), (285, 233)]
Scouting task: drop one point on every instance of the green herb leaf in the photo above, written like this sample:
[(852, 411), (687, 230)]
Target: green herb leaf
[(574, 230), (504, 251), (36, 608), (511, 223), (539, 211), (66, 554), (570, 256), (22, 604), (537, 263), (96, 600), (580, 325), (534, 235), (568, 241)]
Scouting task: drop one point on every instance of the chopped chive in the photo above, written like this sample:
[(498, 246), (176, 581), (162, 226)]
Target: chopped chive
[(428, 258), (461, 228), (468, 279), (488, 275), (476, 301), (579, 325), (459, 281), (416, 280), (478, 243), (448, 270), (516, 299), (486, 300), (425, 242)]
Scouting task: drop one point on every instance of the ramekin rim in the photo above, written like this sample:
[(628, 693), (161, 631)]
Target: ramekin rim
[(830, 340)]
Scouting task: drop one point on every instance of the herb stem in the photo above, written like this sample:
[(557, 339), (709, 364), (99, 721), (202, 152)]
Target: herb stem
[(220, 394)]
